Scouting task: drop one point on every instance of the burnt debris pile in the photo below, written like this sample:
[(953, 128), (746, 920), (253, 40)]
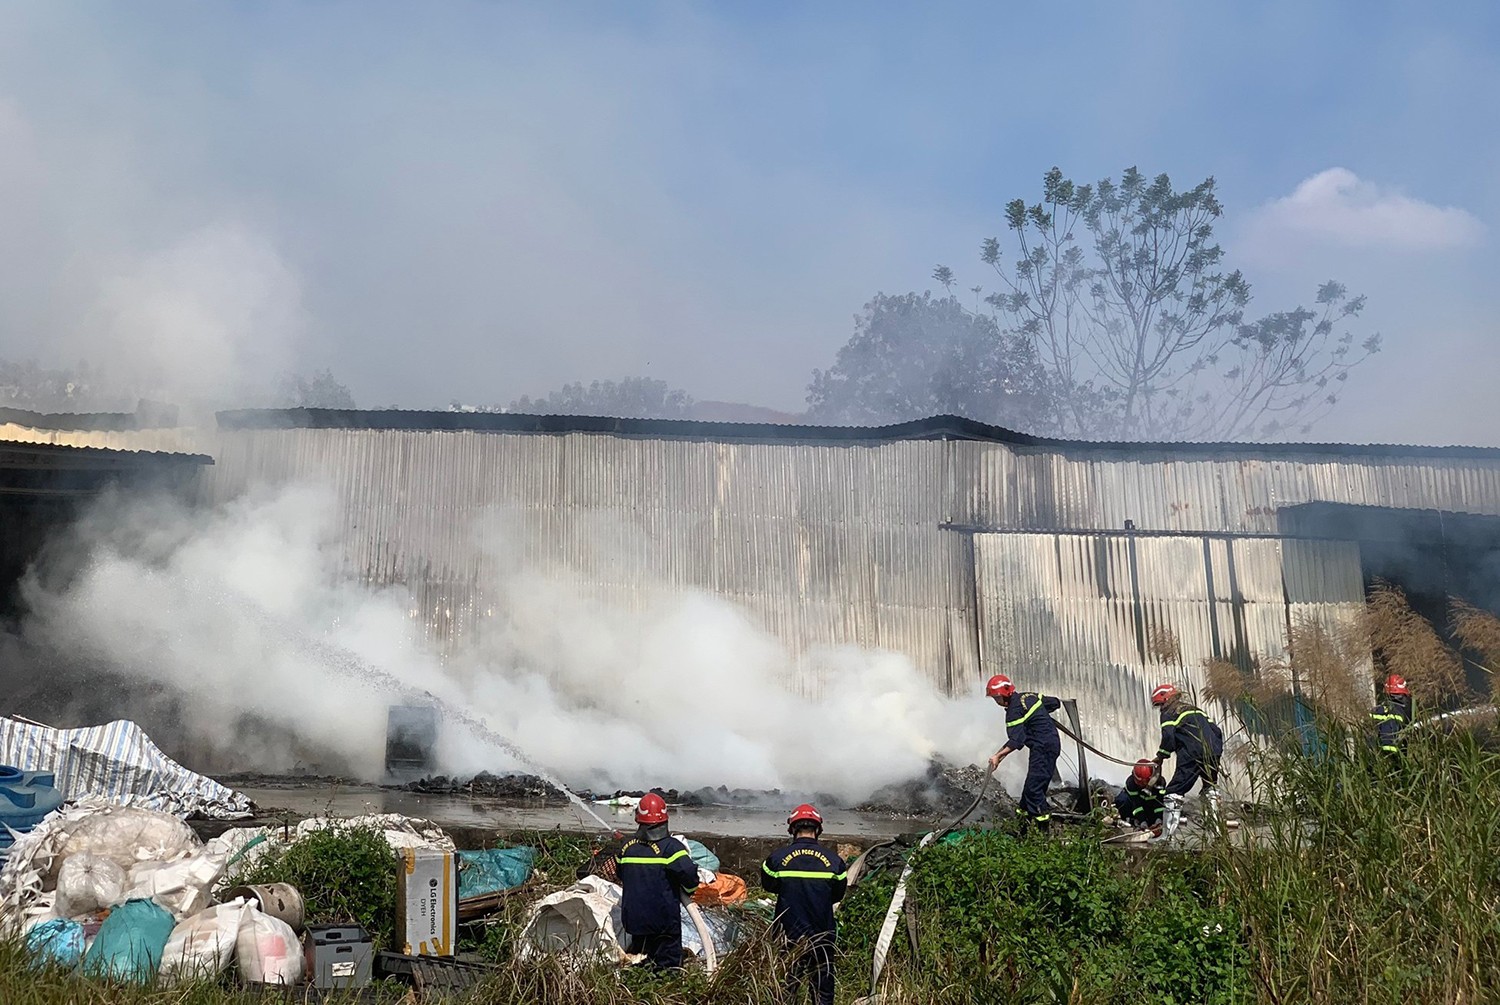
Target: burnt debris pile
[(944, 789), (489, 786)]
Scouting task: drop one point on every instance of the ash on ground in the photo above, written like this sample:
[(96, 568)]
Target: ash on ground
[(488, 786), (946, 789)]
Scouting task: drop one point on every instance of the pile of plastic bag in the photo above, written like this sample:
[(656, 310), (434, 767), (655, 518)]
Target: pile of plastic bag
[(130, 893), (127, 893)]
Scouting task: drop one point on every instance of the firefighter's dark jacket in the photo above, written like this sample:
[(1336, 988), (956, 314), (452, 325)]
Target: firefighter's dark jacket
[(808, 878), (1391, 717), (1028, 722), (1138, 804), (652, 874), (1188, 732)]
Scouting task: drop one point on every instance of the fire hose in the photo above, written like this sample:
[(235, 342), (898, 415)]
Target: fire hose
[(898, 899), (1090, 747)]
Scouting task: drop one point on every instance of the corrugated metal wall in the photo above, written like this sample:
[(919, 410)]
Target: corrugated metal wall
[(832, 544), (1104, 617), (996, 485), (826, 545)]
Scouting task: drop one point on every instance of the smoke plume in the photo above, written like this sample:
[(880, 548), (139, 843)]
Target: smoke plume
[(237, 609)]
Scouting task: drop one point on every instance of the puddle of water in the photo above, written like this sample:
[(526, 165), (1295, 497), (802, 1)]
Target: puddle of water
[(465, 811)]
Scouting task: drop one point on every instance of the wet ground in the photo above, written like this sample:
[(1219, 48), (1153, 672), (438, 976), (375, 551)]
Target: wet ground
[(458, 809)]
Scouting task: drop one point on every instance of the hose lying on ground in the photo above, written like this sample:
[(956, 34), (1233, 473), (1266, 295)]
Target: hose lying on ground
[(898, 899), (710, 955)]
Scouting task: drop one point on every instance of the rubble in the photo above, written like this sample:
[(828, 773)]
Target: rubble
[(489, 786), (946, 789)]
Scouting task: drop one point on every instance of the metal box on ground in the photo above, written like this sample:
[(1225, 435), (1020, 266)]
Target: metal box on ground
[(338, 956), (427, 902), (410, 736)]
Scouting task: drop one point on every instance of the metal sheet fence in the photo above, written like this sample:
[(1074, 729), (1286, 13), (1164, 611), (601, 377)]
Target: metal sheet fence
[(830, 545), (1103, 618), (845, 543)]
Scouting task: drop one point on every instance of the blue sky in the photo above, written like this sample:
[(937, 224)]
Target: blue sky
[(477, 201)]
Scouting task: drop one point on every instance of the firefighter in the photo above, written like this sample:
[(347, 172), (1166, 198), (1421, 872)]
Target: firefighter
[(1028, 723), (1139, 802), (1198, 744), (656, 872), (808, 878), (1392, 715)]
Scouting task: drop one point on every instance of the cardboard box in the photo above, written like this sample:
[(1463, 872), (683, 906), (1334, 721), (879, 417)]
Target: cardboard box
[(427, 902)]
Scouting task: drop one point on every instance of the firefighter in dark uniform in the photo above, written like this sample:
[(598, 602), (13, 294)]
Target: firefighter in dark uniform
[(656, 872), (1392, 716), (1028, 723), (1198, 745), (808, 878), (1139, 802)]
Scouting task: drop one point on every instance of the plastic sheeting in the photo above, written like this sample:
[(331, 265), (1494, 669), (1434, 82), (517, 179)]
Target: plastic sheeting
[(582, 921), (493, 870), (119, 763)]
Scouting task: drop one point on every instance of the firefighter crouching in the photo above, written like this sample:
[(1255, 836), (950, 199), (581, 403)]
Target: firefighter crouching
[(808, 878), (1198, 745), (1140, 801), (655, 872), (1391, 716), (1028, 723)]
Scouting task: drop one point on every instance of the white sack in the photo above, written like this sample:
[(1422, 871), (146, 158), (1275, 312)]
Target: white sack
[(203, 945), (269, 952)]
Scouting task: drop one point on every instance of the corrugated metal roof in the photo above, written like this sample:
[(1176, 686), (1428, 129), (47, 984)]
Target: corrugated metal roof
[(12, 452), (939, 427)]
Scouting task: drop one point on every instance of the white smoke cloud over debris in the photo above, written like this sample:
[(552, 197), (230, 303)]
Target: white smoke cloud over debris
[(239, 609)]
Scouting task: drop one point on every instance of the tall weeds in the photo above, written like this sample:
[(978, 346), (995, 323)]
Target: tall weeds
[(1373, 881)]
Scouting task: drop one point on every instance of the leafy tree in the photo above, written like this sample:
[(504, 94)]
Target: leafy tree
[(630, 398), (1122, 294), (321, 390), (916, 354)]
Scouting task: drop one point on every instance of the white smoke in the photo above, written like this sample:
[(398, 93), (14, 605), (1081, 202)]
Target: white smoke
[(675, 688)]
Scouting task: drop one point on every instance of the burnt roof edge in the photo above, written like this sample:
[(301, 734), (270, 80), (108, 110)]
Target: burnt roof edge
[(938, 427)]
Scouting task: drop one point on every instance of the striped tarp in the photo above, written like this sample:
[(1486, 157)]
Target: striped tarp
[(118, 762)]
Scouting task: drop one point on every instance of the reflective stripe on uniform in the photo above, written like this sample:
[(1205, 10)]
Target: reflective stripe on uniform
[(1387, 718), (1393, 749), (1029, 712), (803, 874), (653, 861), (1178, 721)]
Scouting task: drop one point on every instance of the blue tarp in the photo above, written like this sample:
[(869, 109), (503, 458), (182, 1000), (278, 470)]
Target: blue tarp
[(59, 941), (130, 942), (702, 857), (493, 869)]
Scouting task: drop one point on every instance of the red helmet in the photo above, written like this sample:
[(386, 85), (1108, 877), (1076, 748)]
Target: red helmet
[(1143, 771), (1163, 694), (804, 814), (652, 809), (1396, 684), (999, 687)]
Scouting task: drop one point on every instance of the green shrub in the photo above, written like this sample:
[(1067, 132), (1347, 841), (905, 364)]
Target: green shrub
[(345, 875)]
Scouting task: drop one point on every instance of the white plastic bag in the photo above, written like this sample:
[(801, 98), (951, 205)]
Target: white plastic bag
[(181, 886), (203, 945), (269, 952), (126, 836), (87, 883)]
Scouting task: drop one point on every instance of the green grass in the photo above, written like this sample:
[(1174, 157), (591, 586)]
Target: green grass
[(1356, 884)]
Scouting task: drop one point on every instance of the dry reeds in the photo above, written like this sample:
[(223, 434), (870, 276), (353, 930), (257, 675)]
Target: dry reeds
[(1331, 663), (1163, 646), (1406, 643), (1479, 632), (1226, 682)]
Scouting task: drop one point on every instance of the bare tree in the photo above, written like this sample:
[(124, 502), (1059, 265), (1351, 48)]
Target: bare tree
[(1140, 331)]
